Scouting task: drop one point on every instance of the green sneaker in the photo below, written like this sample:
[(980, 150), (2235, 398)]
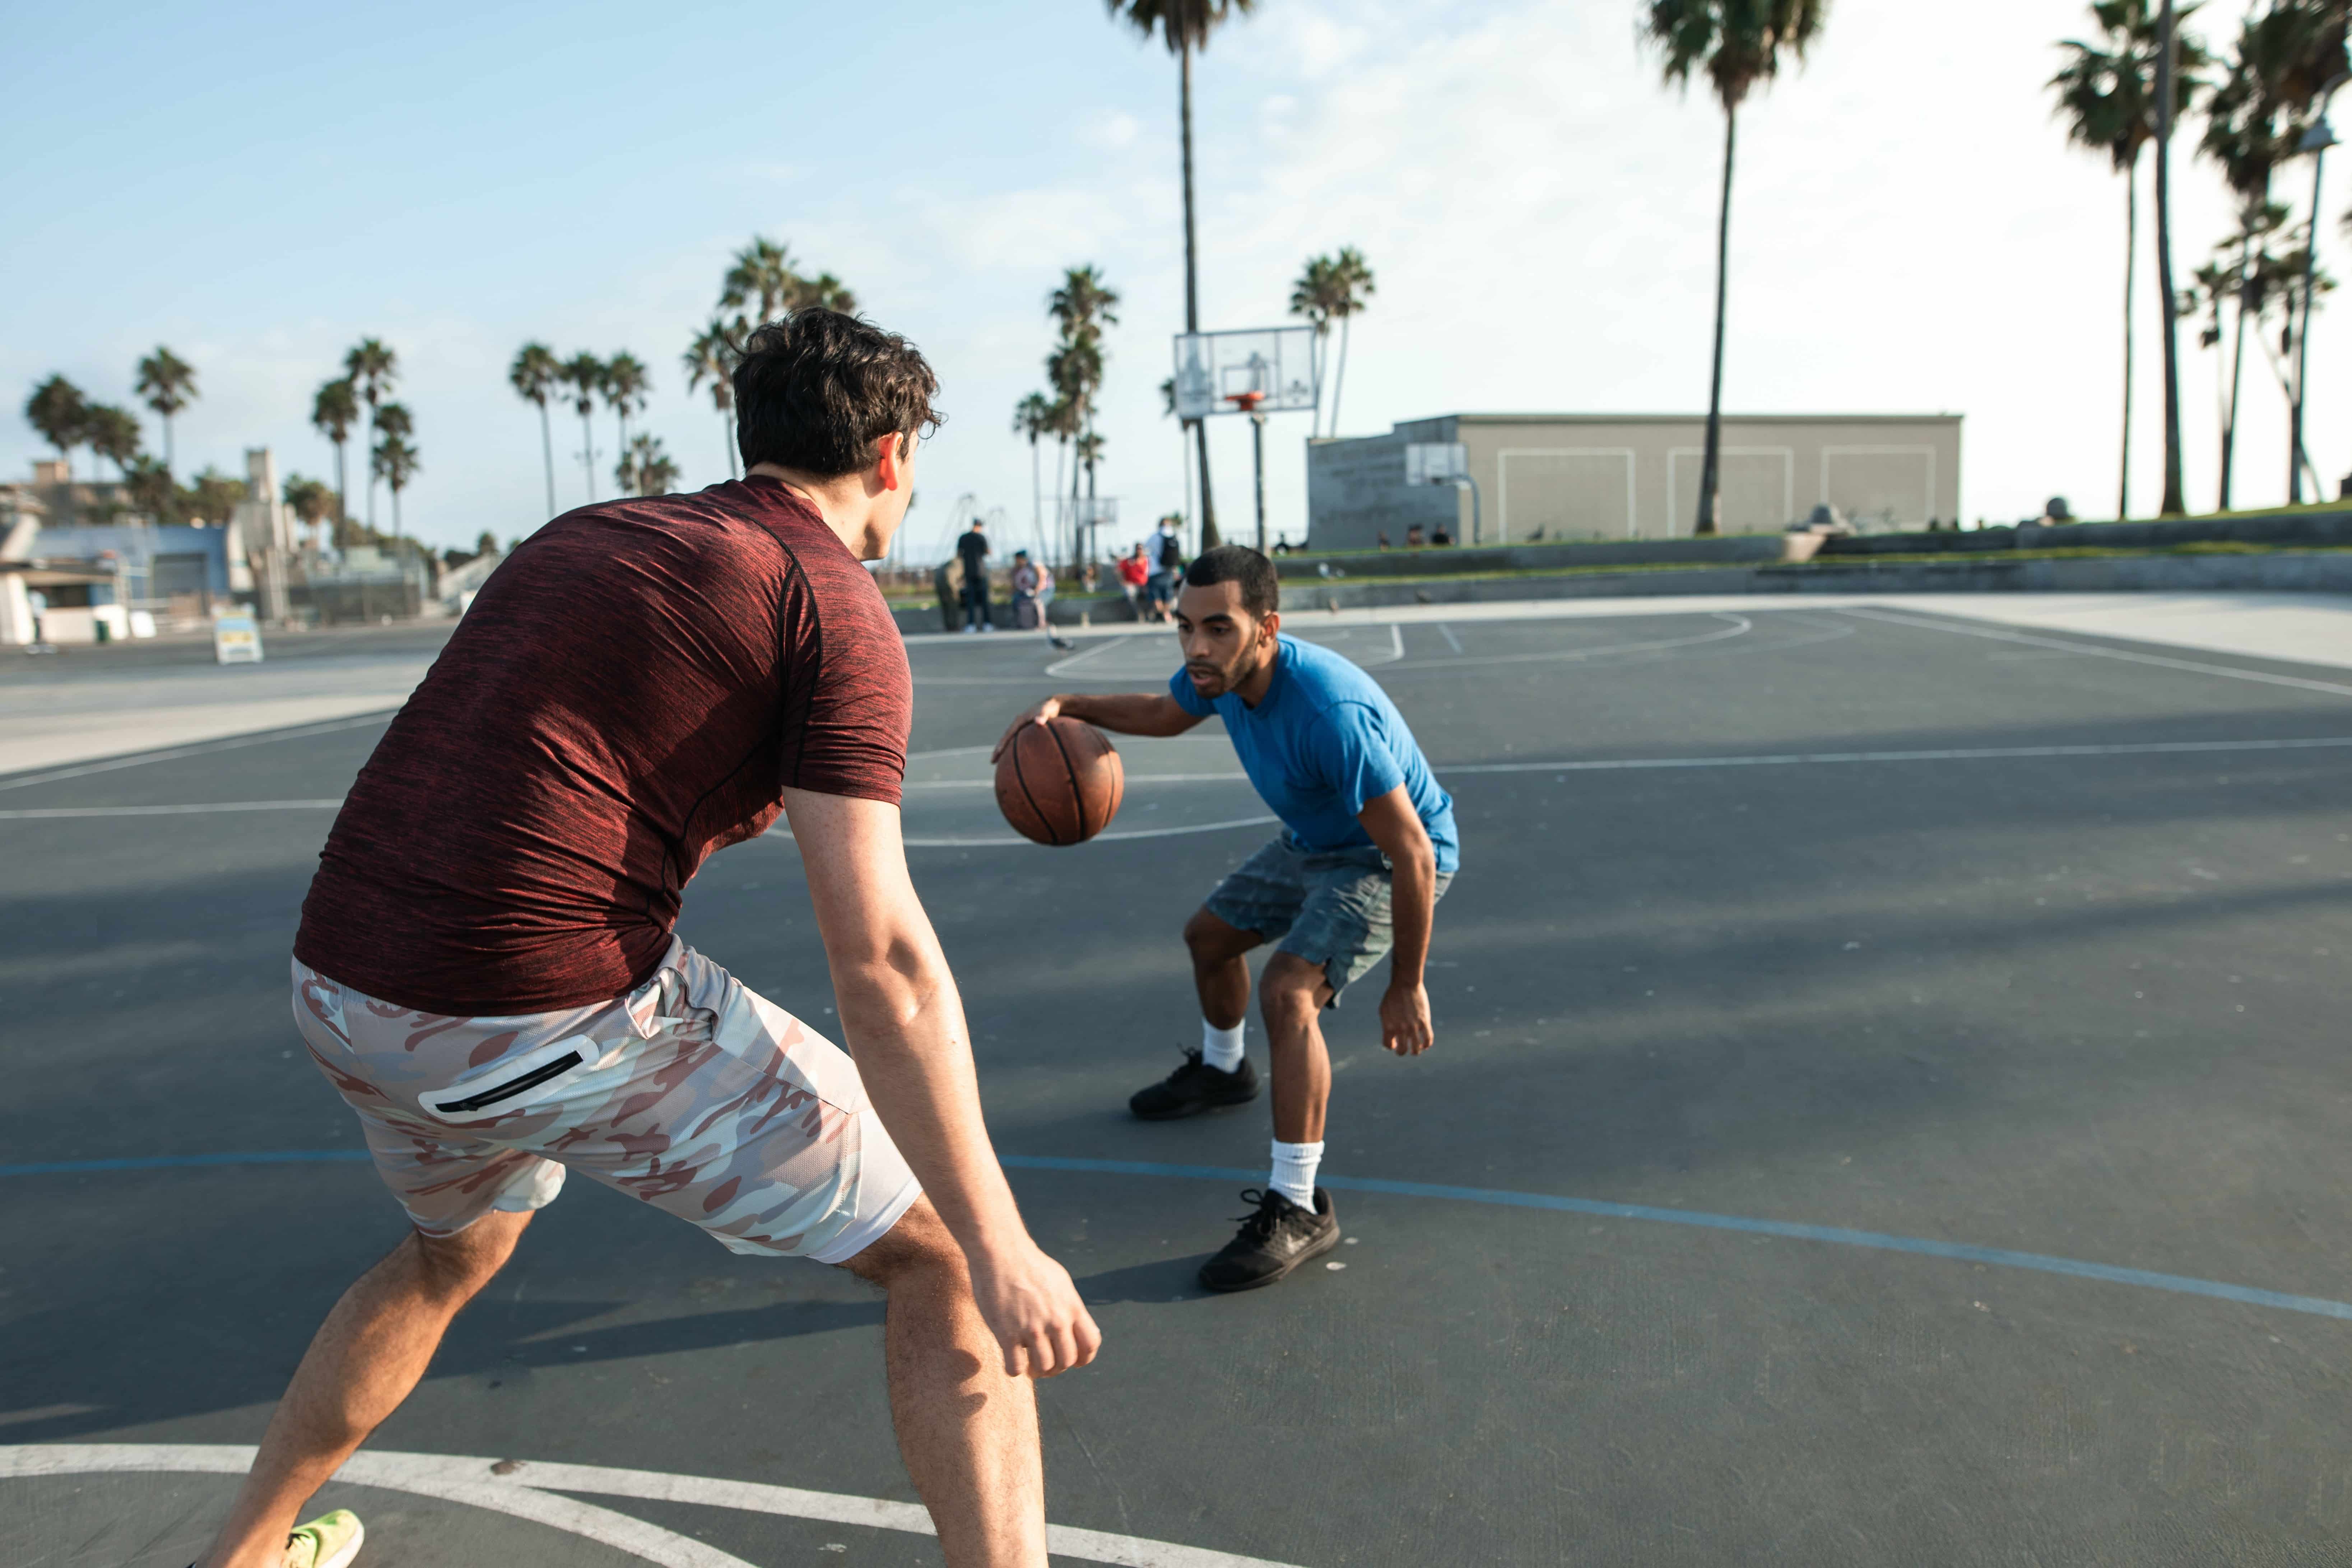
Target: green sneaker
[(330, 1540)]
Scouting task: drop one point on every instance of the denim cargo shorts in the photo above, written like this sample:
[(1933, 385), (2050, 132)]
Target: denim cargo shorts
[(1328, 907)]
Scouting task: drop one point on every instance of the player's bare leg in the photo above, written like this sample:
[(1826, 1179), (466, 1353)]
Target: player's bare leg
[(967, 1431), (1220, 967), (1218, 1074), (365, 1357), (1293, 992)]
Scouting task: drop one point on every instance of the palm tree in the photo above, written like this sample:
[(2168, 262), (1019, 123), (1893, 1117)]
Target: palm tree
[(762, 279), (2168, 105), (1064, 422), (334, 412), (822, 292), (646, 469), (150, 487), (533, 375), (59, 411), (1352, 284), (310, 501), (1310, 298), (1033, 417), (585, 374), (2106, 92), (394, 458), (212, 497), (1737, 45), (1186, 26), (627, 382), (393, 429), (113, 434), (168, 383), (372, 368), (712, 357)]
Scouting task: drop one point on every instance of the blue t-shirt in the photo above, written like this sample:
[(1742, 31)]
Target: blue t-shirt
[(1324, 741)]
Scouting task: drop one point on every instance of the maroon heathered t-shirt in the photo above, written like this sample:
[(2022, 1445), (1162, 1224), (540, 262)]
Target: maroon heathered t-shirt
[(633, 690)]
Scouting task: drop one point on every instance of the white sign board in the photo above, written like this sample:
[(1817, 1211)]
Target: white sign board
[(1214, 368), (1435, 462), (236, 639)]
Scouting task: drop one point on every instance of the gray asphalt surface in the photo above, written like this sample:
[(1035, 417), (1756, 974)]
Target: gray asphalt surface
[(2085, 1006)]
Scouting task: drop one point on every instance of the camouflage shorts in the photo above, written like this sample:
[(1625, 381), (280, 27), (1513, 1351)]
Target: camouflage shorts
[(693, 1092)]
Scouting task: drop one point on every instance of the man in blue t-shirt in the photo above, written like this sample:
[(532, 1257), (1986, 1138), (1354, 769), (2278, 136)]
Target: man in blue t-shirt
[(1367, 848)]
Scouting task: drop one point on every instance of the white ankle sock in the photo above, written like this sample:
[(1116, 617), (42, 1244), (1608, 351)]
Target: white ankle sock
[(1294, 1172), (1222, 1048)]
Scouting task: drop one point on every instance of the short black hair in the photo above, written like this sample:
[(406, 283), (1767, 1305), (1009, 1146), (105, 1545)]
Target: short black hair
[(814, 391), (1261, 589)]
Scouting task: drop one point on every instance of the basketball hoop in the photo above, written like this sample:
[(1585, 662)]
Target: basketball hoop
[(1246, 402)]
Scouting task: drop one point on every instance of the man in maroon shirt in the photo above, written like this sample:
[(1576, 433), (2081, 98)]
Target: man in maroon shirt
[(485, 969)]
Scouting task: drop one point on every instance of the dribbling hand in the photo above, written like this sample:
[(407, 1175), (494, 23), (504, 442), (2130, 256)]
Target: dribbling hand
[(1034, 1310), (1406, 1029), (1049, 708)]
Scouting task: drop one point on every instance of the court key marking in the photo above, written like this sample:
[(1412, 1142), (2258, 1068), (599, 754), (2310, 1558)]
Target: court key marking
[(529, 1489)]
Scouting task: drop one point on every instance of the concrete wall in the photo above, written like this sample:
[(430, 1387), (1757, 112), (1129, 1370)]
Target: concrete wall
[(1603, 477)]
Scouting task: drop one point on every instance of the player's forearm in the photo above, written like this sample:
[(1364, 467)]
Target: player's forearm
[(1128, 712), (903, 1023), (1412, 910)]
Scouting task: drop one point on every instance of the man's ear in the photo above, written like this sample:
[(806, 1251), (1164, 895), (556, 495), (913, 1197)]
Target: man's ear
[(892, 453)]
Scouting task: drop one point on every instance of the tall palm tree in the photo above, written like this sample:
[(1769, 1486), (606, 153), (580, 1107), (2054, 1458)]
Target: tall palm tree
[(627, 382), (334, 412), (2250, 129), (394, 426), (59, 411), (585, 374), (1310, 298), (372, 368), (533, 375), (2106, 94), (712, 357), (1185, 26), (1033, 417), (822, 292), (1738, 44), (168, 383), (112, 433), (761, 279), (646, 469), (312, 502), (1352, 284)]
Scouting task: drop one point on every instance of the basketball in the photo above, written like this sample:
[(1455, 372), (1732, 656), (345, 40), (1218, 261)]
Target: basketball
[(1059, 782)]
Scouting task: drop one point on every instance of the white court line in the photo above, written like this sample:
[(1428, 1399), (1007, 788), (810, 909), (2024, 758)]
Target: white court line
[(2300, 683), (201, 748), (1062, 666), (1612, 764), (519, 1491), (168, 810), (1742, 626), (1451, 640), (1978, 754)]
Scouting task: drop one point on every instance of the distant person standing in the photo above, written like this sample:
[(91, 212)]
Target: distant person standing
[(1167, 558), (1024, 582), (971, 551), (1134, 573)]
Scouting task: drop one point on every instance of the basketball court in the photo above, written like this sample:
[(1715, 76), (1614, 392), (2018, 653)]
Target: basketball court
[(1889, 1106)]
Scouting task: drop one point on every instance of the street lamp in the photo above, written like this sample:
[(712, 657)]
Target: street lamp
[(2316, 142)]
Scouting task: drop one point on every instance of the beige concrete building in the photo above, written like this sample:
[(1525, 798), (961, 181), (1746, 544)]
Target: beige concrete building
[(1578, 476)]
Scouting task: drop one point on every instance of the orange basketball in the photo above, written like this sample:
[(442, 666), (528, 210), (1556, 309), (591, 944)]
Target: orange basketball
[(1059, 782)]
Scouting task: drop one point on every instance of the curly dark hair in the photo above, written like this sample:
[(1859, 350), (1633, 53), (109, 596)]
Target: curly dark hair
[(814, 391)]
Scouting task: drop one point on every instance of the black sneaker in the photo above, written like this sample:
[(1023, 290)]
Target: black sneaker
[(1277, 1239), (1192, 1088)]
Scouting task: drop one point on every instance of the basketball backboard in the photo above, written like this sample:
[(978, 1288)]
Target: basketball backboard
[(1435, 462), (1213, 368)]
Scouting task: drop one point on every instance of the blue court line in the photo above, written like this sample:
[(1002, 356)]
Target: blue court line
[(1961, 1252)]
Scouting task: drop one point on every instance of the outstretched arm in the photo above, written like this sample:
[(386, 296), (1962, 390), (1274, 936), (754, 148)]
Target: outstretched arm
[(1122, 713), (1397, 828), (903, 1023)]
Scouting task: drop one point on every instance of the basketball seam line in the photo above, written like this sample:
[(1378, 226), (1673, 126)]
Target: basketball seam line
[(1078, 790), (1054, 836)]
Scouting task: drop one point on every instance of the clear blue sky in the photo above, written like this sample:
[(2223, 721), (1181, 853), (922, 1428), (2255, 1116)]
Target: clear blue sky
[(258, 187)]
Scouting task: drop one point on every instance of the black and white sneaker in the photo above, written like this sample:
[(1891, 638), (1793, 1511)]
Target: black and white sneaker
[(1277, 1239), (1192, 1088)]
